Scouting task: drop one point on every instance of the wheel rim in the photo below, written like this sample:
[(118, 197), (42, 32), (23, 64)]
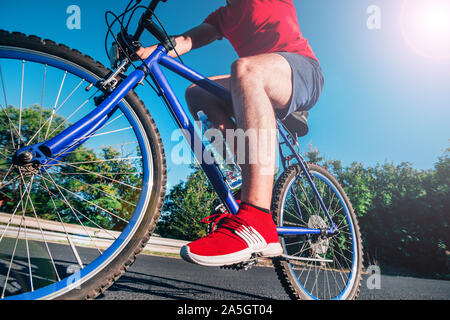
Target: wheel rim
[(73, 183), (319, 280)]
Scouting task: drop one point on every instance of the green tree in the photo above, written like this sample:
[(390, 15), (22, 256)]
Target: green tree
[(403, 213), (313, 155), (72, 179), (186, 205)]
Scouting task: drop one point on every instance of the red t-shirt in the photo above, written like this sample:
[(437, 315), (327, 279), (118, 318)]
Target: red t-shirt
[(261, 26)]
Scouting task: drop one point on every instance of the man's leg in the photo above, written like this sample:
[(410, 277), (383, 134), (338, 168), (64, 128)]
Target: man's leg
[(218, 112), (259, 85)]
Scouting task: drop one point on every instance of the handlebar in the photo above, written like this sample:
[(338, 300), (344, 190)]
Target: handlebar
[(127, 44), (146, 19), (154, 4)]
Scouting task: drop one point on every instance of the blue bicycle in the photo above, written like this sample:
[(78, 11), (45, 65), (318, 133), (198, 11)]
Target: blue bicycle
[(83, 174)]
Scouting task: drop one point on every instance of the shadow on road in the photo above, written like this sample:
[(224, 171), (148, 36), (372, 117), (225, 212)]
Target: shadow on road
[(155, 287)]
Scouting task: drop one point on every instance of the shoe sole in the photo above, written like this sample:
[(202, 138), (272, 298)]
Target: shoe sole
[(272, 250)]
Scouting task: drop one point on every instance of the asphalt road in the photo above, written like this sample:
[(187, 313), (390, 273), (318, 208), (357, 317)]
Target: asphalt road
[(159, 278)]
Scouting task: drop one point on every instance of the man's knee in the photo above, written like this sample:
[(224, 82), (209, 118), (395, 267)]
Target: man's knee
[(245, 69)]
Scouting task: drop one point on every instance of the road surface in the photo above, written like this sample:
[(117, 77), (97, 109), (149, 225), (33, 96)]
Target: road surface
[(160, 278), (163, 278)]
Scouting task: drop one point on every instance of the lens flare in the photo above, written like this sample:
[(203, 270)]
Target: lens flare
[(425, 27)]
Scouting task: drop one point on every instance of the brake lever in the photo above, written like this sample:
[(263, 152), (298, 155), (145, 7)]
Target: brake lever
[(128, 46)]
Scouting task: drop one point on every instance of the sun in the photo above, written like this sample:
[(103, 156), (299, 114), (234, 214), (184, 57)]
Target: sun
[(425, 27)]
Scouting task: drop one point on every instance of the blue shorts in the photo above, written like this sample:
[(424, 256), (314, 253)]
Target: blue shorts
[(307, 83)]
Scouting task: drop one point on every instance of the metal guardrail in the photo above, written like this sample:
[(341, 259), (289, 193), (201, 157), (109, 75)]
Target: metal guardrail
[(37, 229)]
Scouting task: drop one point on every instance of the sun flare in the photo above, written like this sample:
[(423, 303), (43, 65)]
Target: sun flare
[(426, 27)]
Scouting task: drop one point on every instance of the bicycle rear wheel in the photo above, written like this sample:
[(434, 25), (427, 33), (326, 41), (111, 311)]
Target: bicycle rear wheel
[(68, 230), (317, 266)]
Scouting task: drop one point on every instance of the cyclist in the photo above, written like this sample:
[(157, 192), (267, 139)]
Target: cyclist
[(277, 73)]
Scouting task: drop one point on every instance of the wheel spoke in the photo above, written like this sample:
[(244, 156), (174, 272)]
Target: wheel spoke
[(42, 104), (95, 161), (102, 191), (21, 102), (16, 241), (3, 155), (12, 259), (26, 242), (6, 175), (101, 175), (39, 225), (38, 133), (106, 133), (2, 185), (85, 200), (73, 113), (6, 107), (72, 209), (70, 95), (11, 218), (56, 104), (52, 195)]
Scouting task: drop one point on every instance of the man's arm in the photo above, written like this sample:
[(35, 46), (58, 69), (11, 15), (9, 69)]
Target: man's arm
[(197, 37)]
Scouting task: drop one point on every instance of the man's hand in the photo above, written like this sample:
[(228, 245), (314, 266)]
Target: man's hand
[(144, 53), (195, 38)]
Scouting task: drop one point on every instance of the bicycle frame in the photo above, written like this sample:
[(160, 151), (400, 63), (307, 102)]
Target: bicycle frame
[(47, 151)]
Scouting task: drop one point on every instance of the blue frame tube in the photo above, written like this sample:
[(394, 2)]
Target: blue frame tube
[(191, 75), (172, 102), (292, 231), (88, 125)]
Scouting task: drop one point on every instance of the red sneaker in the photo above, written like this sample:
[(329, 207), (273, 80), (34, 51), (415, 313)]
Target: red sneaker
[(236, 239)]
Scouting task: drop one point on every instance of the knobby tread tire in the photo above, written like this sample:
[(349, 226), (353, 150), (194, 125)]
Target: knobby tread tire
[(114, 270), (282, 266)]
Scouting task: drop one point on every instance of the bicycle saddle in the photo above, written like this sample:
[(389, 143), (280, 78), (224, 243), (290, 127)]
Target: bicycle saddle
[(297, 123)]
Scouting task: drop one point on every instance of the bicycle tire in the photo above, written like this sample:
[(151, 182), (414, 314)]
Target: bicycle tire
[(285, 271), (107, 274)]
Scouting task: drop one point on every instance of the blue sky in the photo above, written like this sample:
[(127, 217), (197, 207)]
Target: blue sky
[(382, 100)]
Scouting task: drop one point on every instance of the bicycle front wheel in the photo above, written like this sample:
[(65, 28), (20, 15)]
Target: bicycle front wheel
[(321, 266), (71, 228)]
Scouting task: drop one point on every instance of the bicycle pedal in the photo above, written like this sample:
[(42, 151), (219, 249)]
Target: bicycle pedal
[(245, 265)]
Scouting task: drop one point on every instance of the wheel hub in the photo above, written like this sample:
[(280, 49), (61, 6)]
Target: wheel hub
[(22, 159), (319, 245), (25, 164)]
